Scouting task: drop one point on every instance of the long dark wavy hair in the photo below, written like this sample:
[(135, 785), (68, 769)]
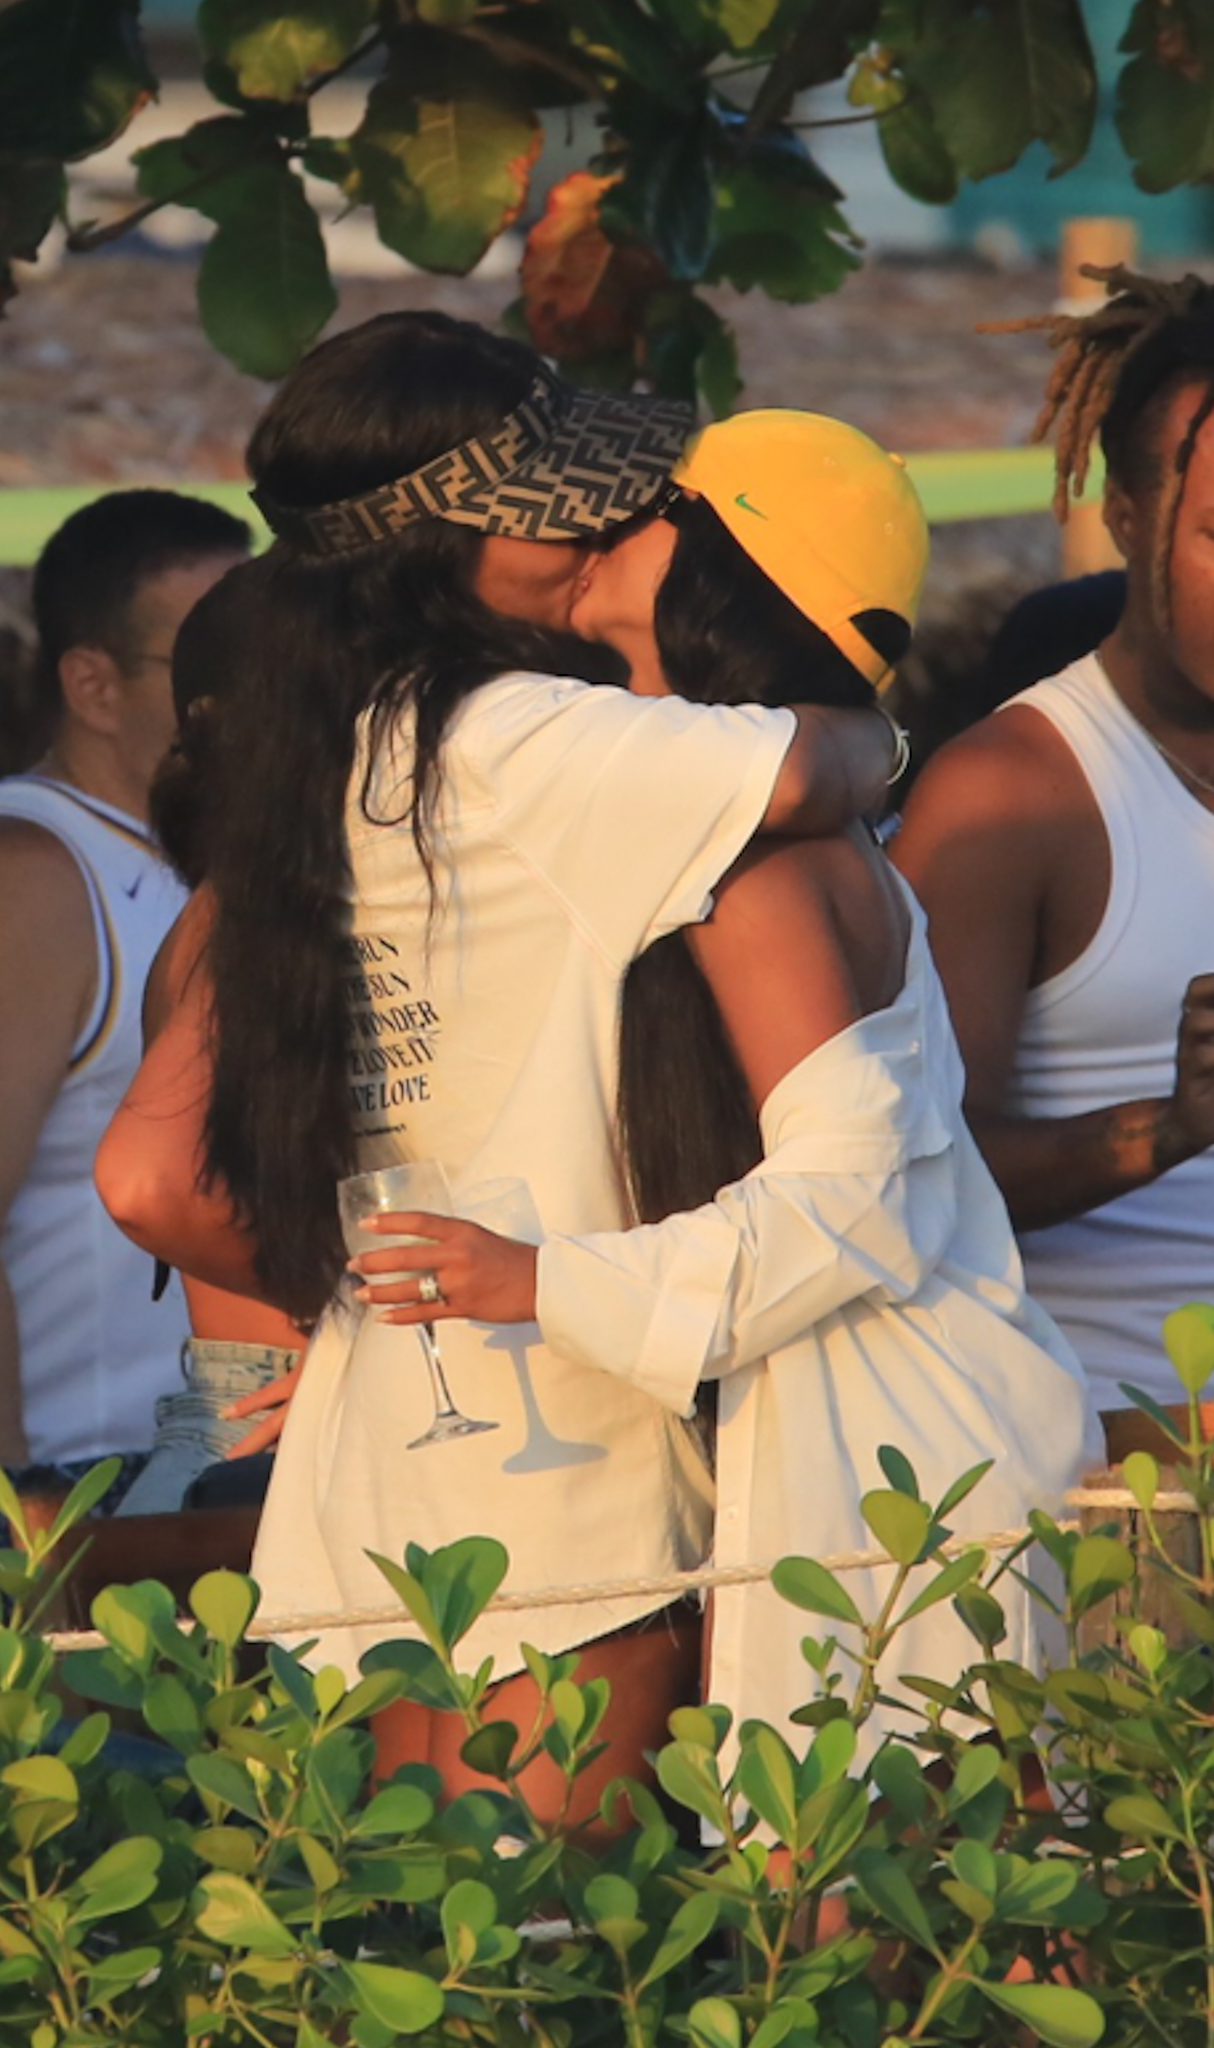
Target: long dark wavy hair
[(208, 653), (330, 640), (725, 635)]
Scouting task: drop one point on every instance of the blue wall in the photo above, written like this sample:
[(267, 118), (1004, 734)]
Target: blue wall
[(1034, 206)]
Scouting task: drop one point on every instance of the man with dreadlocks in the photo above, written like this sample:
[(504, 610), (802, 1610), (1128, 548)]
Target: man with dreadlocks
[(1064, 849)]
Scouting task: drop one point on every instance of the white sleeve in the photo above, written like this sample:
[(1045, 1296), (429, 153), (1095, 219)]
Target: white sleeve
[(830, 1217), (630, 809), (696, 1296)]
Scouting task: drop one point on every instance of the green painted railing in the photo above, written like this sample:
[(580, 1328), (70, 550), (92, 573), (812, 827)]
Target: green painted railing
[(29, 517), (979, 483), (971, 483)]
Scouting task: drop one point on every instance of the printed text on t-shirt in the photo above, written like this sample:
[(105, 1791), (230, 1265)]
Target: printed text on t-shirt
[(392, 1035)]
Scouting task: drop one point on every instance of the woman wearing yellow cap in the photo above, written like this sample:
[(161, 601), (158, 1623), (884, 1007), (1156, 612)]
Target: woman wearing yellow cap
[(819, 1238), (432, 854)]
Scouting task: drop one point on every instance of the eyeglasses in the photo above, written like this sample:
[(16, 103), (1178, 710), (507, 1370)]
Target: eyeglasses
[(141, 657)]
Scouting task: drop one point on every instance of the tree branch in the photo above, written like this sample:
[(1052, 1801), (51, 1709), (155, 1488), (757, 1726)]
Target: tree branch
[(514, 48), (838, 121), (93, 236), (816, 51), (374, 41), (80, 241)]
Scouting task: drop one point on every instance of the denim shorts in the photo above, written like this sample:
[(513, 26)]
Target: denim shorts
[(191, 1432), (59, 1477)]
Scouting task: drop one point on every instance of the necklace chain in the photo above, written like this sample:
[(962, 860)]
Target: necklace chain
[(1174, 761), (1181, 767)]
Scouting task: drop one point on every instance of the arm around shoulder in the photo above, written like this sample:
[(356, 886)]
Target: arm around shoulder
[(837, 769)]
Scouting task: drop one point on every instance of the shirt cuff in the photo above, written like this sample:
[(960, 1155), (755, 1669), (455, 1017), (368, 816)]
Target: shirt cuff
[(652, 1322)]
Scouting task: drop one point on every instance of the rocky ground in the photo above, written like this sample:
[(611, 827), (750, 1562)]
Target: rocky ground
[(105, 373)]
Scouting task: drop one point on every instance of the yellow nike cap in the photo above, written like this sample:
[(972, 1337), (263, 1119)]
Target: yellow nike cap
[(830, 516)]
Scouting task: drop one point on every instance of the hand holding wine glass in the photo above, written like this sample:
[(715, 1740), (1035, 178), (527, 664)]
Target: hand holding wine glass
[(403, 1199), (481, 1275)]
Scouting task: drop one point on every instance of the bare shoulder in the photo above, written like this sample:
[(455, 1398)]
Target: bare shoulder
[(49, 950), (1008, 786), (1015, 764), (41, 886), (773, 958), (774, 881)]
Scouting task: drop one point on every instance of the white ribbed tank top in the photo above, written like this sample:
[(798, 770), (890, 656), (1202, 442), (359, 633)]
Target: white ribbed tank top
[(1104, 1031), (96, 1351)]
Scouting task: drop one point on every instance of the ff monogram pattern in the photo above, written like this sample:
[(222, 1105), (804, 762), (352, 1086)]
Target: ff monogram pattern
[(562, 464)]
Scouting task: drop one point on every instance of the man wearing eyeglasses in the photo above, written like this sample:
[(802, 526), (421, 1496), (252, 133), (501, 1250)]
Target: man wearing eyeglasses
[(85, 900)]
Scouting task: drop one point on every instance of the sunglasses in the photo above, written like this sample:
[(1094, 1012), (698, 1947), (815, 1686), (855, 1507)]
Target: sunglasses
[(659, 507)]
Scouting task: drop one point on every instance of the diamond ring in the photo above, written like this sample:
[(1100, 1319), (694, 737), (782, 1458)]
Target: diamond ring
[(428, 1289)]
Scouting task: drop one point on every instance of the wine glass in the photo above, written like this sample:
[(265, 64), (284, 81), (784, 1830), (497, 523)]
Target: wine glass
[(420, 1185)]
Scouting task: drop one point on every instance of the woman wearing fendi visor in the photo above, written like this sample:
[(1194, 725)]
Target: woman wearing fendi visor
[(850, 1278), (432, 860)]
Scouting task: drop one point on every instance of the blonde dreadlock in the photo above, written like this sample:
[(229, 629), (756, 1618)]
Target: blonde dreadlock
[(1088, 379)]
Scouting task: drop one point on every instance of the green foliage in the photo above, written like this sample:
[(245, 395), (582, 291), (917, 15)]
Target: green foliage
[(916, 154), (274, 52), (1188, 1336), (445, 150), (699, 170), (780, 229), (31, 200), (1163, 94), (996, 78), (688, 347), (256, 1884), (71, 76), (264, 290)]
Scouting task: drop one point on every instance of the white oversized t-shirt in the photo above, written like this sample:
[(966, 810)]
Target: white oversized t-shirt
[(577, 824)]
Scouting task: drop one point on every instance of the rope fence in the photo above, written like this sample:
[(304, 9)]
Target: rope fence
[(670, 1586)]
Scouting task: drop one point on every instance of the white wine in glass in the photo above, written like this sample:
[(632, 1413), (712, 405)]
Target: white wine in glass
[(420, 1185)]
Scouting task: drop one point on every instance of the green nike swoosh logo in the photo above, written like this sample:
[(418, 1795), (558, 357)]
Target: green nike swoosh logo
[(741, 500)]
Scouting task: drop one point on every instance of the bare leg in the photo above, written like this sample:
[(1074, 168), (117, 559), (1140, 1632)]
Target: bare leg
[(651, 1672), (403, 1734)]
